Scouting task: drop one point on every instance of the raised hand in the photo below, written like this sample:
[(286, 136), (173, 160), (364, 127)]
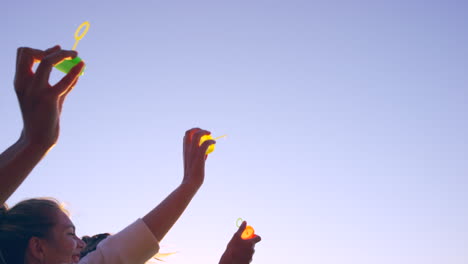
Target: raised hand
[(40, 102), (41, 106), (194, 156), (240, 251)]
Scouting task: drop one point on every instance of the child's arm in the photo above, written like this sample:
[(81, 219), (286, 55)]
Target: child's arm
[(162, 218), (41, 105)]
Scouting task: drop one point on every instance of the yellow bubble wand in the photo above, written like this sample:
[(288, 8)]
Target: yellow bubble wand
[(79, 37), (66, 65), (212, 146)]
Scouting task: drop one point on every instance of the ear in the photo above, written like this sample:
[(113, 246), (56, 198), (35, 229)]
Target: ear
[(36, 249)]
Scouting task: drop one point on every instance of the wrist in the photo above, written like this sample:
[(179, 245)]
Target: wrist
[(34, 146), (191, 186)]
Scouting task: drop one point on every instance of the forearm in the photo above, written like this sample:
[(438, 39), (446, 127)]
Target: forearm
[(16, 163), (163, 217)]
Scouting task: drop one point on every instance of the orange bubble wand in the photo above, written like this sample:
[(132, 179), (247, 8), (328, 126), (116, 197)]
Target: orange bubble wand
[(248, 233)]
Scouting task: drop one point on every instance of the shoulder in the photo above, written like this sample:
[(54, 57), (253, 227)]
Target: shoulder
[(133, 245)]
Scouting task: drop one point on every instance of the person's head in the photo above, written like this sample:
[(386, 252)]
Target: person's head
[(38, 231)]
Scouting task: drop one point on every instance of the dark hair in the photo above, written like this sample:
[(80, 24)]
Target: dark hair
[(27, 219), (92, 242)]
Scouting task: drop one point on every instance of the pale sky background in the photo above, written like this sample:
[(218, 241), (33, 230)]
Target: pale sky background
[(346, 121)]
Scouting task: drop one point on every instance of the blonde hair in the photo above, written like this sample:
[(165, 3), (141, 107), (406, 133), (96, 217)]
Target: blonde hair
[(27, 219)]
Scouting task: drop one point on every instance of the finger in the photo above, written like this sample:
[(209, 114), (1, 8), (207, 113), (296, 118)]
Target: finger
[(65, 85), (189, 134), (195, 140), (45, 67), (195, 145), (71, 87), (204, 147), (62, 97), (187, 140), (25, 58), (52, 50), (197, 136), (255, 239), (241, 228)]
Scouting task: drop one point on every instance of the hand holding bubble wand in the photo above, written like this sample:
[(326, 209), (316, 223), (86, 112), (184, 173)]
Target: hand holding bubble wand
[(240, 248), (248, 233), (66, 65)]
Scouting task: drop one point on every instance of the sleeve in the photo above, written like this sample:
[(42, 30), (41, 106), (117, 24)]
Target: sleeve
[(133, 245)]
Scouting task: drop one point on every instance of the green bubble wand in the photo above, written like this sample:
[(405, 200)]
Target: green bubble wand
[(66, 65)]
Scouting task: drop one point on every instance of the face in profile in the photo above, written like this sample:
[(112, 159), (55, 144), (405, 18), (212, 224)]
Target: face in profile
[(62, 245)]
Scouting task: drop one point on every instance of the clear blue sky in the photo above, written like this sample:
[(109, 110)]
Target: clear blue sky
[(346, 120)]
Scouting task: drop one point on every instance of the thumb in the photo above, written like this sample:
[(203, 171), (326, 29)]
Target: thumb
[(66, 83), (256, 239), (205, 145)]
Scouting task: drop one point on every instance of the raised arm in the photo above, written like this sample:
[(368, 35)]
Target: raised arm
[(162, 218), (41, 106)]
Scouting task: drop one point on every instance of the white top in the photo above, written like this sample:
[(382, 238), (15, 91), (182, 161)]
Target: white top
[(133, 245)]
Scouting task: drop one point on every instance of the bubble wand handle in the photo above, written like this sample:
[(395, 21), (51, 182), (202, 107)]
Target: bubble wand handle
[(79, 37)]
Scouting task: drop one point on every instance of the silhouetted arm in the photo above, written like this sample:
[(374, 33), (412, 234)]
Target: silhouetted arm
[(41, 106), (163, 217)]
